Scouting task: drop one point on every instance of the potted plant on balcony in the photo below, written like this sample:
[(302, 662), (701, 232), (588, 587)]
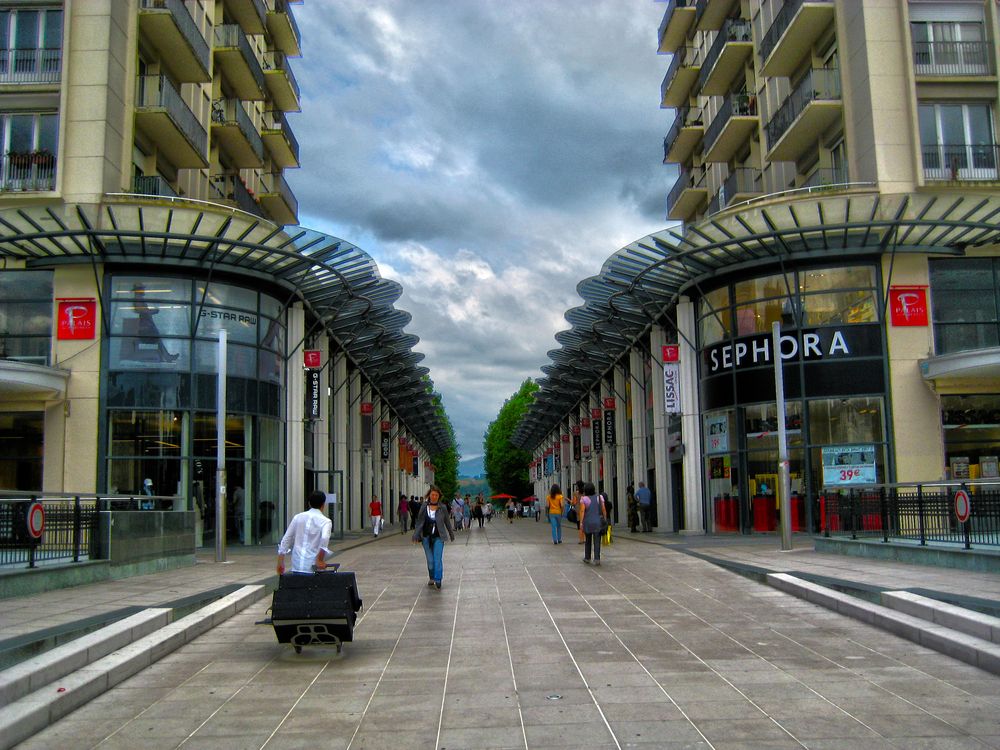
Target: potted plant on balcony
[(43, 158), (19, 158)]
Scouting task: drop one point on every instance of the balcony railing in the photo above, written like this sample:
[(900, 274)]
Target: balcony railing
[(187, 26), (953, 58), (736, 105), (152, 185), (230, 187), (961, 161), (685, 118), (669, 18), (275, 60), (283, 6), (225, 111), (30, 65), (28, 171), (684, 57), (781, 22), (820, 84), (231, 35), (826, 176), (742, 180), (684, 181), (159, 91), (733, 30), (275, 120), (275, 183)]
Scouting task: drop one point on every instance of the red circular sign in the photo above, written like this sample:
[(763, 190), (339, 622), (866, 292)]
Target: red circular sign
[(36, 520), (962, 506)]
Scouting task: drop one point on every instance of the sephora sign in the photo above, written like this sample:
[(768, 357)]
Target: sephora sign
[(755, 351)]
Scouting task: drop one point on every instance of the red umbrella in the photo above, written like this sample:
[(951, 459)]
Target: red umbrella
[(502, 496)]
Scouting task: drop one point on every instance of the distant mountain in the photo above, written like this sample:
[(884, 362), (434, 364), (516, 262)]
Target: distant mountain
[(471, 467)]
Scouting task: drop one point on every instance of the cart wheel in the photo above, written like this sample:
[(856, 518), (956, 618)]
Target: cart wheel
[(298, 649)]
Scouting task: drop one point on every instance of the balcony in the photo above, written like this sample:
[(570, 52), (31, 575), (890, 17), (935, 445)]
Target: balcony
[(808, 111), (796, 28), (677, 19), (734, 124), (152, 185), (277, 199), (251, 15), (686, 196), (960, 162), (163, 116), (280, 82), (30, 171), (826, 177), (952, 59), (726, 58), (282, 28), (742, 184), (172, 31), (234, 56), (709, 14), (230, 189), (681, 76), (234, 131), (280, 140), (39, 66), (684, 134)]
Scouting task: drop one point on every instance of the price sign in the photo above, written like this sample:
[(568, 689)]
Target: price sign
[(848, 464)]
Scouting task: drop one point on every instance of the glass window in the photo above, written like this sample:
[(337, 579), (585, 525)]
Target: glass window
[(270, 306), (241, 361), (764, 287), (148, 353), (824, 279), (26, 316), (240, 326), (227, 295), (145, 434), (22, 443), (715, 315), (845, 421), (840, 307), (129, 287), (150, 319), (964, 303)]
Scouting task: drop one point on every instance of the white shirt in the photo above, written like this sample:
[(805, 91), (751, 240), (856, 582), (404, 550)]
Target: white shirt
[(308, 533)]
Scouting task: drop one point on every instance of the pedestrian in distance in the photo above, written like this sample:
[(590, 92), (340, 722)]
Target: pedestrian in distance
[(554, 511), (457, 511), (479, 512), (307, 538), (375, 511), (414, 504), (594, 515), (404, 512), (511, 510), (645, 499), (433, 526), (467, 513), (632, 506), (577, 496)]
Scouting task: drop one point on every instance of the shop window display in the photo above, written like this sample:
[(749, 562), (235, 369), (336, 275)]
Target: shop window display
[(971, 426)]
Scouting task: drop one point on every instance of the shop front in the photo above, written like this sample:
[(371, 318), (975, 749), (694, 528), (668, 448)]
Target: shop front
[(832, 353)]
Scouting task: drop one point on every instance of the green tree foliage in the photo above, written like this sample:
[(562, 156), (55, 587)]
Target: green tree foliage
[(446, 462), (507, 466)]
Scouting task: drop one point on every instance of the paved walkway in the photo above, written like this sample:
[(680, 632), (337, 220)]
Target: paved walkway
[(525, 647)]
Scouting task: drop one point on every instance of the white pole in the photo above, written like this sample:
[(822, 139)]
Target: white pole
[(784, 479), (220, 452)]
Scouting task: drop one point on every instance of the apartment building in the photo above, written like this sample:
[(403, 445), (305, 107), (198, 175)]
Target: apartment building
[(837, 173), (144, 210)]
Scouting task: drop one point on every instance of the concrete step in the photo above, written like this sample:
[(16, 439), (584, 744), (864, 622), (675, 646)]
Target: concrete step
[(33, 712), (958, 645), (949, 615)]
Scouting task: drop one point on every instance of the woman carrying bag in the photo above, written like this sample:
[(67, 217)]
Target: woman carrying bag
[(433, 524), (554, 512), (593, 519)]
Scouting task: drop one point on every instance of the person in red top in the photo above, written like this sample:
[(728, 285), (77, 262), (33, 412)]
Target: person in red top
[(375, 509)]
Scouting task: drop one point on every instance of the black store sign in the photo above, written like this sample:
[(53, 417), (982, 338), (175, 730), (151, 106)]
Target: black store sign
[(576, 446), (385, 441), (595, 427), (818, 363), (312, 394), (609, 426)]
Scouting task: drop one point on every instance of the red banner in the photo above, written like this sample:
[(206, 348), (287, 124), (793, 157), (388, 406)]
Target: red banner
[(671, 353), (609, 403), (312, 358), (908, 305), (367, 408), (77, 319)]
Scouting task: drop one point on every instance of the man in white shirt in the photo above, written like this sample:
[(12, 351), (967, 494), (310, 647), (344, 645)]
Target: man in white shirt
[(307, 538)]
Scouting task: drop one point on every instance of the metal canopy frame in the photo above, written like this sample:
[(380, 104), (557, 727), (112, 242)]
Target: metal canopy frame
[(642, 282), (336, 281)]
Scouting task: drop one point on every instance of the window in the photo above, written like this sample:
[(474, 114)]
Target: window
[(22, 443), (964, 301), (950, 48), (26, 316), (30, 45), (29, 142), (957, 141)]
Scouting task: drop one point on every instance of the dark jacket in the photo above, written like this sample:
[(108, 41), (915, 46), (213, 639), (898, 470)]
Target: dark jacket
[(442, 518)]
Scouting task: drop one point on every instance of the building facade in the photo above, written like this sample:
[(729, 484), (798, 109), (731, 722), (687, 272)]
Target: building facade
[(143, 212), (838, 175)]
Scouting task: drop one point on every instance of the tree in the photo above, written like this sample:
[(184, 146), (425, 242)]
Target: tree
[(445, 462), (506, 465)]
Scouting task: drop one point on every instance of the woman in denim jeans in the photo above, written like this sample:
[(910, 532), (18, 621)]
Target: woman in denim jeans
[(554, 512), (433, 524)]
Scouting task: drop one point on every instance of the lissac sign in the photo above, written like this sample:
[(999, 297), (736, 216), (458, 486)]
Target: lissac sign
[(755, 351)]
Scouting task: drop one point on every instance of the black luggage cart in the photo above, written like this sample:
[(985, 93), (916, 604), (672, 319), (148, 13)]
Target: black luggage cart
[(315, 610)]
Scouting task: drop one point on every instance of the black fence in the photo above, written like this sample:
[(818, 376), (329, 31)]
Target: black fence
[(71, 529), (924, 513)]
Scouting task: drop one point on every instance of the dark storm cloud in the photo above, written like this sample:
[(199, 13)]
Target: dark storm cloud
[(488, 156)]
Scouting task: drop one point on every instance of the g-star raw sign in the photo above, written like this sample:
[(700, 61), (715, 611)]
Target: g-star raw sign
[(754, 351), (312, 394)]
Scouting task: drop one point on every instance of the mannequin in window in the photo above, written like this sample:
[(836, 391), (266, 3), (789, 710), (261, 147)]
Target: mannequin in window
[(146, 330)]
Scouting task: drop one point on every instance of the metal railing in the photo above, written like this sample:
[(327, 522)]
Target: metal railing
[(735, 105), (283, 6), (71, 531), (684, 57), (275, 60), (275, 120), (30, 65), (668, 14), (28, 171), (231, 35), (232, 188), (923, 513), (825, 177), (740, 180), (684, 181), (685, 117), (953, 58), (187, 25), (274, 183), (733, 30), (158, 92), (961, 161), (226, 111), (819, 84), (152, 185), (782, 20)]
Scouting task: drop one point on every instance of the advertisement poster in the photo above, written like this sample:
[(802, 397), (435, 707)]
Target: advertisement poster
[(959, 467), (989, 467), (844, 465), (717, 434)]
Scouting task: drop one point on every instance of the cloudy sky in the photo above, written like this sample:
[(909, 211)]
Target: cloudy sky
[(489, 156)]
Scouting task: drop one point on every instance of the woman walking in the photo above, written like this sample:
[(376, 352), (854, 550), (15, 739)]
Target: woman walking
[(432, 526), (632, 506), (554, 512), (467, 513), (592, 512), (479, 512), (511, 509)]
